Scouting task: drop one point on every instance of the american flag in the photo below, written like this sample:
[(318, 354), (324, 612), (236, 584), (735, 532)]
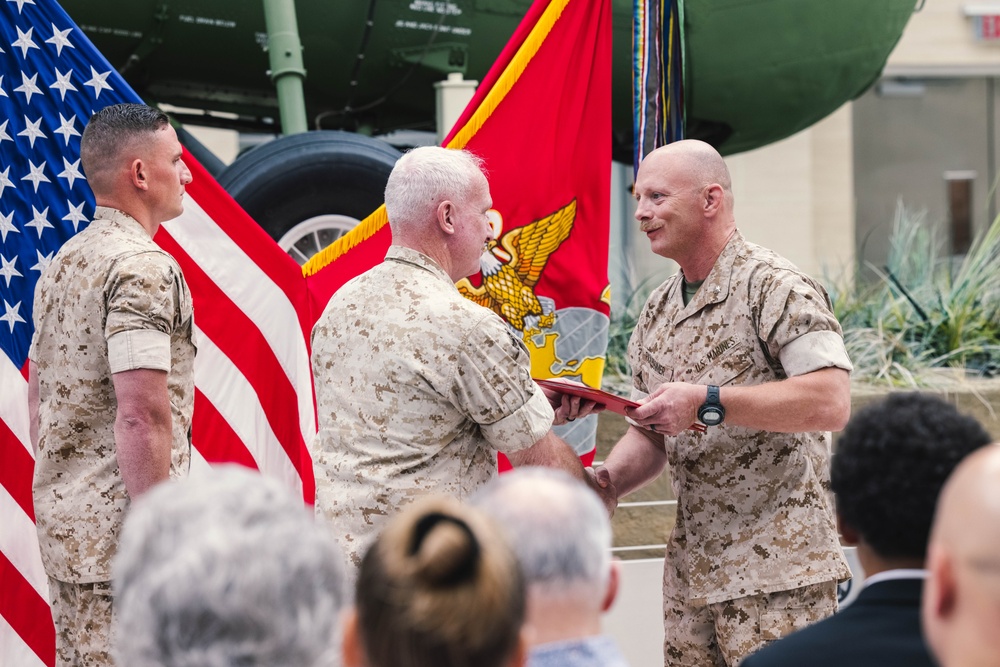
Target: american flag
[(253, 402)]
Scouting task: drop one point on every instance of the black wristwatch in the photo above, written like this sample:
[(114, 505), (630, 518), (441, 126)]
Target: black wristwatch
[(711, 412)]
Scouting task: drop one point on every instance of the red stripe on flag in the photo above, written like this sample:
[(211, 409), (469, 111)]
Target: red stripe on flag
[(17, 470), (239, 338), (27, 613), (222, 444), (251, 239)]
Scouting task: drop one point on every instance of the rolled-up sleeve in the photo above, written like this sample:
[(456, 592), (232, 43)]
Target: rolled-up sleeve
[(142, 296), (798, 326), (813, 351), (493, 386)]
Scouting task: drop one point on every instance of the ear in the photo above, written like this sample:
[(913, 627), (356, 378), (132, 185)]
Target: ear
[(446, 217), (137, 174), (714, 196), (847, 532), (520, 655), (350, 646), (614, 578), (940, 588)]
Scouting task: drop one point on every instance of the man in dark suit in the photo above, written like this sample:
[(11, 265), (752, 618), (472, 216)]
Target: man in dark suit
[(889, 466)]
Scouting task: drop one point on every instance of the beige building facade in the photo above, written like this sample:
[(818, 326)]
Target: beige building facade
[(925, 135)]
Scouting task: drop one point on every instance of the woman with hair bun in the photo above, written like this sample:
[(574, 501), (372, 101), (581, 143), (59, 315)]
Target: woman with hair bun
[(438, 588)]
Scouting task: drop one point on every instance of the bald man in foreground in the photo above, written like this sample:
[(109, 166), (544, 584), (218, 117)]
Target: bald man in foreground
[(742, 341), (961, 605)]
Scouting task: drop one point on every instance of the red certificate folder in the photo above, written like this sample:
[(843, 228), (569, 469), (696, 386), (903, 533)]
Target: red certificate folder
[(612, 402)]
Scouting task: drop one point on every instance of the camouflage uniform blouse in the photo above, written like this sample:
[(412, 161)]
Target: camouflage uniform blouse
[(754, 513), (109, 278), (417, 389)]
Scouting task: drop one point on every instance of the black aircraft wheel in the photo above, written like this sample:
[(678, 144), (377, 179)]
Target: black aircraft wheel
[(306, 190)]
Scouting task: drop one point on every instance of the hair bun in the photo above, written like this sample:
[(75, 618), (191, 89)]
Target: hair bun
[(444, 550)]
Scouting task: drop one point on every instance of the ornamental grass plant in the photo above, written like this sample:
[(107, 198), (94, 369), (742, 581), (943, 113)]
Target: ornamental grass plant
[(925, 317)]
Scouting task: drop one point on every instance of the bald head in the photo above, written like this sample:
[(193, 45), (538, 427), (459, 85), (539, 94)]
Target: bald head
[(684, 205), (968, 514), (698, 160), (961, 606)]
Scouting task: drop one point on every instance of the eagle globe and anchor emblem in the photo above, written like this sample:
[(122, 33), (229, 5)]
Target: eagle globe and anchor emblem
[(563, 342)]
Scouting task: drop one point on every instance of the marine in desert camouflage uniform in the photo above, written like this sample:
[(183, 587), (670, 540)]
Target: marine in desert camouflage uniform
[(418, 388), (754, 553), (111, 383)]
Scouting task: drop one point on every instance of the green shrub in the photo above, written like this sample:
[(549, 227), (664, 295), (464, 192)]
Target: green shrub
[(923, 312)]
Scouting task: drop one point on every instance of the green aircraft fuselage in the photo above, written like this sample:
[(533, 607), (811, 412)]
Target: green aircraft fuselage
[(755, 70)]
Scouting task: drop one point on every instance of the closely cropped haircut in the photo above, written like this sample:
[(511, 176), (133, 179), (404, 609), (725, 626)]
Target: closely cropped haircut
[(426, 176), (558, 528), (113, 128), (890, 464), (225, 569), (439, 588)]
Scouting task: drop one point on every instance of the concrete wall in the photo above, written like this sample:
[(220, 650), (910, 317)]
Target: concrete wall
[(939, 39), (796, 196)]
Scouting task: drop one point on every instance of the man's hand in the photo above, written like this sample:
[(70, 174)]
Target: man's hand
[(569, 408), (599, 480), (670, 409)]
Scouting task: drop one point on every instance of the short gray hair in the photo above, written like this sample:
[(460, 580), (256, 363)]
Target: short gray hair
[(426, 176), (228, 568), (558, 528)]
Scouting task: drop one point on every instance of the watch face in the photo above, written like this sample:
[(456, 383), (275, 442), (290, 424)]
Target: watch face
[(711, 416)]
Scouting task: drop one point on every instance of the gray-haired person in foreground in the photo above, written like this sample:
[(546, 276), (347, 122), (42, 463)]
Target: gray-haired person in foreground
[(560, 532), (225, 569)]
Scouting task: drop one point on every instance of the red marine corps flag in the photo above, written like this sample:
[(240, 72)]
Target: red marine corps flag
[(541, 120)]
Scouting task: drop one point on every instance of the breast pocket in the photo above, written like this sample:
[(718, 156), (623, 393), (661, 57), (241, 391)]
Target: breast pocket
[(724, 364)]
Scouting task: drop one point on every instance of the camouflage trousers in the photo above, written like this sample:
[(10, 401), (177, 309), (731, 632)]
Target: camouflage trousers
[(723, 633), (82, 614)]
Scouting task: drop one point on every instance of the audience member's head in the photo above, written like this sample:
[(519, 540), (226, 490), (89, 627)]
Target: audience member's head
[(961, 604), (888, 468), (438, 588), (227, 568), (560, 532)]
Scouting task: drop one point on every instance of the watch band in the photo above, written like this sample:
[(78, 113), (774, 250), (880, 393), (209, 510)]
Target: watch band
[(711, 412)]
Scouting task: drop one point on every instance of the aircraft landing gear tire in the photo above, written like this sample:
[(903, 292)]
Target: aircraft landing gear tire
[(306, 190)]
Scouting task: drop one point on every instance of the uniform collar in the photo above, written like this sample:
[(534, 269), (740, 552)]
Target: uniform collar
[(715, 288), (398, 253), (120, 219)]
